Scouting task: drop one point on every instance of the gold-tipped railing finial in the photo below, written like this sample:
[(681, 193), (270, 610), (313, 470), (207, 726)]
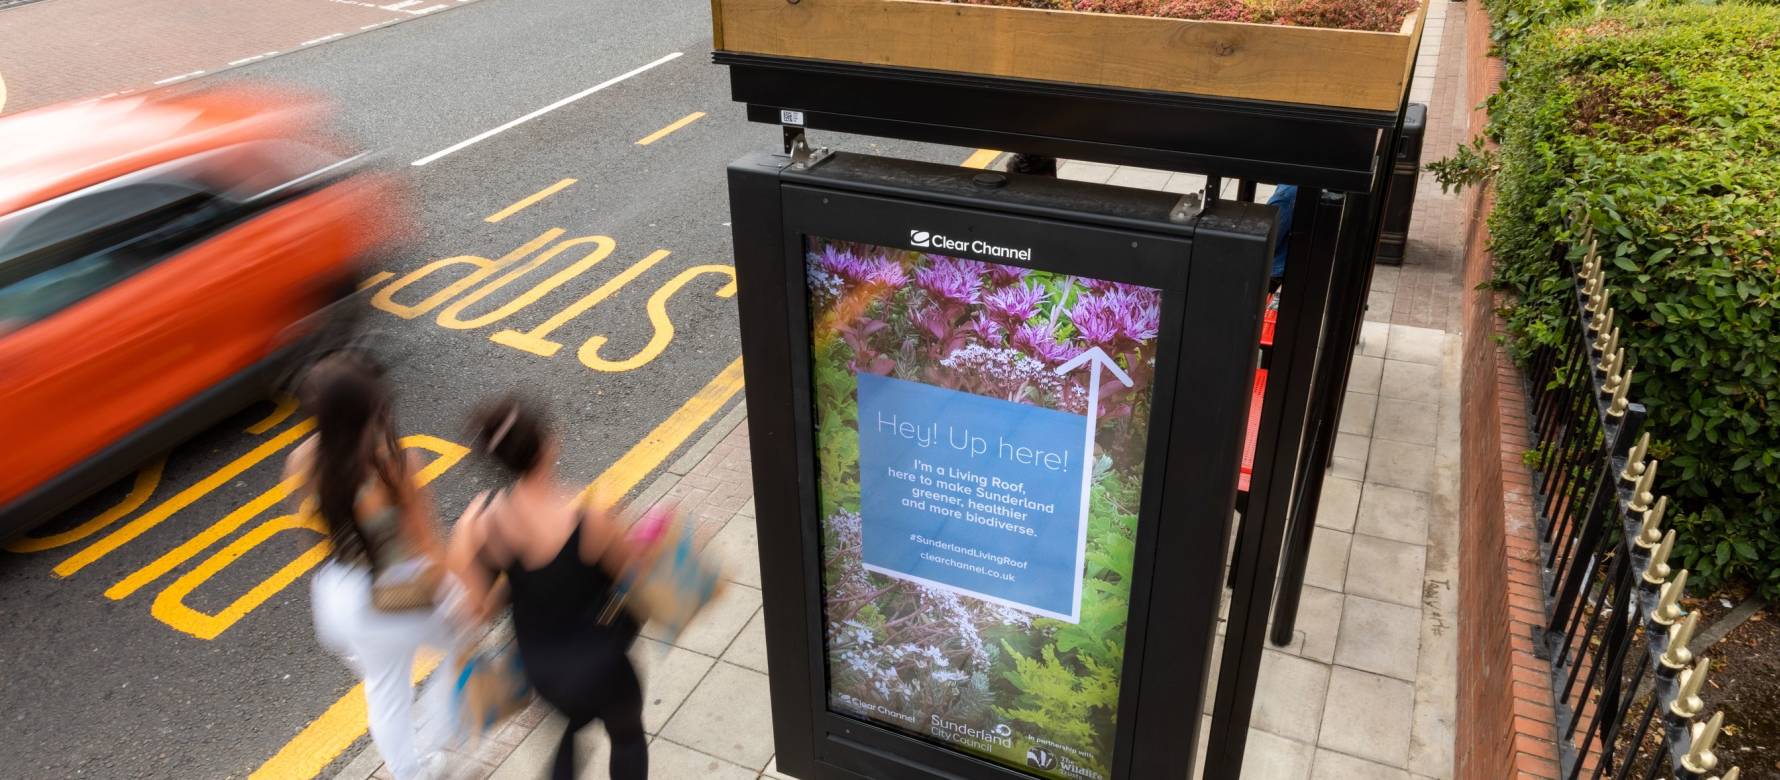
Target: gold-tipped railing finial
[(1699, 758), (1657, 571), (1642, 497), (1687, 703), (1668, 600), (1677, 656), (1634, 460), (1650, 534)]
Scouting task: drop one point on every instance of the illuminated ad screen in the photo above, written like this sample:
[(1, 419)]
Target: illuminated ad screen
[(980, 439)]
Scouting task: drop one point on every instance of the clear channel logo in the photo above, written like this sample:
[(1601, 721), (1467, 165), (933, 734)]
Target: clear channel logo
[(927, 239)]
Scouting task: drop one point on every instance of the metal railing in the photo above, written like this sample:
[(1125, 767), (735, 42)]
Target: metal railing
[(1624, 682)]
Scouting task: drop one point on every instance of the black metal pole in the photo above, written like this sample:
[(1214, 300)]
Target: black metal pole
[(1284, 414), (1346, 309)]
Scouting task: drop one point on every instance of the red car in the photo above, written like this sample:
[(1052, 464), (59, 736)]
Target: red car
[(164, 261)]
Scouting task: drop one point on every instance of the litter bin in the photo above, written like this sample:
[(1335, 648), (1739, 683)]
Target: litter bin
[(1399, 199)]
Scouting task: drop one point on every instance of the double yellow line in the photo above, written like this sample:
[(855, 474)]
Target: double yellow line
[(318, 744)]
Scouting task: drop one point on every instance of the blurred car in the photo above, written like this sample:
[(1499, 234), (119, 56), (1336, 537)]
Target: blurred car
[(165, 260)]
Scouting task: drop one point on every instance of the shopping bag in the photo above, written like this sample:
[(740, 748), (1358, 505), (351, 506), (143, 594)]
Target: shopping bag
[(491, 687), (669, 582)]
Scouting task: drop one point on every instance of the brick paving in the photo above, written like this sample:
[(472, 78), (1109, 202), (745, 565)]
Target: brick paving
[(129, 45), (1377, 628)]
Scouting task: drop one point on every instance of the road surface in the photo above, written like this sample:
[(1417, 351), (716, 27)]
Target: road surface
[(162, 629)]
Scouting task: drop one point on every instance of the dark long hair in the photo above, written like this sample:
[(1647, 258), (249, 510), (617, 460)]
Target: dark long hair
[(355, 442), (512, 430)]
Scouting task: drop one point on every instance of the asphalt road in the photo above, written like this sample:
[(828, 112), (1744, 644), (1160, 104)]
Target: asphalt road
[(182, 652)]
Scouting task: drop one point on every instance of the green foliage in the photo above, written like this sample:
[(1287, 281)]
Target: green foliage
[(1076, 674), (837, 441), (1468, 166), (1662, 126), (1514, 22), (1069, 702)]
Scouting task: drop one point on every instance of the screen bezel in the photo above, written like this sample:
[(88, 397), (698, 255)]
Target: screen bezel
[(1154, 260)]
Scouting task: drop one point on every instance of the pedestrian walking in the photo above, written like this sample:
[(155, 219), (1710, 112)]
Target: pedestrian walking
[(561, 561), (374, 598)]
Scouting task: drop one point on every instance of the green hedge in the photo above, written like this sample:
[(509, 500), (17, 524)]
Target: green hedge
[(1662, 124)]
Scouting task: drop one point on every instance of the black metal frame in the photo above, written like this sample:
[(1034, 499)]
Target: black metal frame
[(1212, 272), (1311, 146), (1340, 158)]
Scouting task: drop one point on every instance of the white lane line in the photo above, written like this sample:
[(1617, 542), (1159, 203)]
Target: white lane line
[(245, 60), (180, 77), (376, 25), (484, 135), (429, 9), (328, 37), (399, 6)]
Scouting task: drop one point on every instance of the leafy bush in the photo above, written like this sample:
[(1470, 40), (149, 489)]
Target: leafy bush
[(1662, 125)]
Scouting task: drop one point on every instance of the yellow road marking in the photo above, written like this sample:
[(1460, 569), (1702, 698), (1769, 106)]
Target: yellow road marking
[(183, 499), (147, 480), (522, 203), (286, 406), (172, 559), (375, 279), (534, 340), (448, 317), (658, 320), (385, 298), (327, 736), (981, 158), (663, 132), (169, 605), (667, 437), (313, 749)]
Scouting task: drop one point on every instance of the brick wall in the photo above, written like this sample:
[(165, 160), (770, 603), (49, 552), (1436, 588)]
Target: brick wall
[(1505, 715)]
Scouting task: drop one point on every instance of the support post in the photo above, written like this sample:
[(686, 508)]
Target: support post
[(1316, 217)]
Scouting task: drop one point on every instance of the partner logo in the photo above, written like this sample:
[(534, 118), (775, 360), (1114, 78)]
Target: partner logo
[(927, 239), (1039, 758)]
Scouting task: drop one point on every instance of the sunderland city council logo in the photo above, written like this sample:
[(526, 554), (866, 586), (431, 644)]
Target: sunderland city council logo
[(1039, 758), (920, 238)]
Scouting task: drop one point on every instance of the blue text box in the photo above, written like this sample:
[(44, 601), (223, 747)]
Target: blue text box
[(973, 494)]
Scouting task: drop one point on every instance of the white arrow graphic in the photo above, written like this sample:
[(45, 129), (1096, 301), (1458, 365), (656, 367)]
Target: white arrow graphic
[(1095, 358)]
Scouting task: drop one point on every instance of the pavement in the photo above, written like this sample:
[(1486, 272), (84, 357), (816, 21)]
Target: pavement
[(1367, 688), (177, 606), (176, 603)]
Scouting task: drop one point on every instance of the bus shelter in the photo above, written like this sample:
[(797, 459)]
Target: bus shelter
[(878, 427)]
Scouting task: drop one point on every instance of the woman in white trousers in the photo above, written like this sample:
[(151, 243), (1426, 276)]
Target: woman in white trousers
[(382, 531)]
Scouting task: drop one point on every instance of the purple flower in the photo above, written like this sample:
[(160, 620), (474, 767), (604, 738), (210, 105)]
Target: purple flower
[(1141, 321), (986, 330), (953, 281), (1018, 303), (1041, 340), (1097, 285), (883, 272), (1095, 321), (935, 321), (1007, 274), (841, 263)]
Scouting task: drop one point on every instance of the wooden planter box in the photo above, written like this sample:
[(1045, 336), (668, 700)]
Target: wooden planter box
[(1307, 65)]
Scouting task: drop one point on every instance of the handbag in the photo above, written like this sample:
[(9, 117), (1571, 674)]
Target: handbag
[(670, 583), (491, 687), (410, 585)]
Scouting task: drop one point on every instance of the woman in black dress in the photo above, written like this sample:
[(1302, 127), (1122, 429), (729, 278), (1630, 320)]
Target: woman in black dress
[(561, 561)]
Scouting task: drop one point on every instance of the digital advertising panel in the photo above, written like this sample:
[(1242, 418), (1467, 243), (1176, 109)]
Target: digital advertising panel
[(980, 439)]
